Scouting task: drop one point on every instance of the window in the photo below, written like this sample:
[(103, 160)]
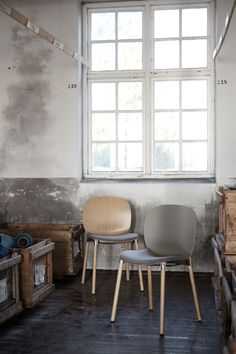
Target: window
[(148, 90)]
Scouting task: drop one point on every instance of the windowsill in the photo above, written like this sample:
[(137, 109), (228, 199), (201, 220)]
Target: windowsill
[(149, 180)]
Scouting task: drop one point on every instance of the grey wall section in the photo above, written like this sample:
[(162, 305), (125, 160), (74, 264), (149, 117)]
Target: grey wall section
[(40, 135)]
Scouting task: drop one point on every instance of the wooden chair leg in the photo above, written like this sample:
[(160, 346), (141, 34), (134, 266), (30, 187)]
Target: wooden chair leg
[(94, 266), (139, 269), (162, 300), (150, 299), (127, 264), (194, 290), (85, 262), (117, 290)]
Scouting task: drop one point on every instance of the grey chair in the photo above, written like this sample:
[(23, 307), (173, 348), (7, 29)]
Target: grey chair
[(107, 220), (169, 233)]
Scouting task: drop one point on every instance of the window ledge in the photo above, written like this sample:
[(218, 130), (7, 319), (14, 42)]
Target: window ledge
[(149, 180)]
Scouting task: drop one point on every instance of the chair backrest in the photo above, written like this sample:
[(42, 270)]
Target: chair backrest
[(170, 230), (108, 216)]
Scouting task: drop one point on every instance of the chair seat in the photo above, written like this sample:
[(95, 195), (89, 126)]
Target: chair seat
[(114, 239), (146, 257)]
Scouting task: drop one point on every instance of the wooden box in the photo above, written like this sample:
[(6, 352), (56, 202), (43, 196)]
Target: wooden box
[(10, 304), (227, 218), (36, 272), (68, 239)]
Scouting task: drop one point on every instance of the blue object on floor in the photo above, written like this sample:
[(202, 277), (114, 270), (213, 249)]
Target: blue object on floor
[(4, 251), (6, 241), (23, 241)]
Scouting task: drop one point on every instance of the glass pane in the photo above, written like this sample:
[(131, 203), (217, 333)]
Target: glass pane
[(103, 96), (166, 23), (166, 55), (167, 126), (129, 56), (130, 25), (130, 95), (166, 95), (103, 26), (194, 156), (130, 126), (194, 125), (103, 157), (130, 157), (103, 126), (103, 56), (194, 94), (194, 22), (194, 53), (166, 157)]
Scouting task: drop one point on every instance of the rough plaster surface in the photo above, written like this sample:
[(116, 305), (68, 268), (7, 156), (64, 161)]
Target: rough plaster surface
[(38, 112)]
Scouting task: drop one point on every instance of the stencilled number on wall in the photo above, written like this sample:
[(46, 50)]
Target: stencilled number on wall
[(72, 86), (222, 82)]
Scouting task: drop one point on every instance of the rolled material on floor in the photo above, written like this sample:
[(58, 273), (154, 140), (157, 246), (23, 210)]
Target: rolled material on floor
[(23, 241)]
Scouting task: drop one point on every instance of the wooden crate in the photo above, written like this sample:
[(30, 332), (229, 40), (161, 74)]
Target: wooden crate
[(36, 272), (227, 217), (68, 238), (10, 304)]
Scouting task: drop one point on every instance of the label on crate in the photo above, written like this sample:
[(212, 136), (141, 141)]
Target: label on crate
[(3, 290), (75, 248), (39, 274)]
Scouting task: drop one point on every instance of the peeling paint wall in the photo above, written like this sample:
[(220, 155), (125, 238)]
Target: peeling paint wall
[(40, 135)]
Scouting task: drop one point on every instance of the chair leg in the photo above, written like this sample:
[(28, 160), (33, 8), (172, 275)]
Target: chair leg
[(150, 299), (139, 269), (117, 290), (162, 300), (127, 264), (194, 290), (85, 262), (94, 266)]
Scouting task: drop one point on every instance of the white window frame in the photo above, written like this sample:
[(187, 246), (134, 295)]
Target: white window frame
[(148, 74)]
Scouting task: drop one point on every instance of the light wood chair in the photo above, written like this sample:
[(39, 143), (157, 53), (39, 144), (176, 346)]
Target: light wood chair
[(169, 234), (107, 220)]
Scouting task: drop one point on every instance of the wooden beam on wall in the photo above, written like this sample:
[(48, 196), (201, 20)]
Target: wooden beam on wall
[(23, 20), (225, 30)]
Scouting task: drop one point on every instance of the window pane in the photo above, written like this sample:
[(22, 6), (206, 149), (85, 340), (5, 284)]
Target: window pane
[(103, 96), (103, 26), (130, 95), (103, 56), (194, 53), (130, 56), (194, 157), (194, 125), (166, 23), (166, 157), (103, 126), (166, 126), (103, 157), (166, 55), (194, 22), (130, 126), (130, 25), (166, 95), (194, 94), (130, 157)]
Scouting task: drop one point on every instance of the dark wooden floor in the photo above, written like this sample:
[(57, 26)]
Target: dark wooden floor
[(72, 321)]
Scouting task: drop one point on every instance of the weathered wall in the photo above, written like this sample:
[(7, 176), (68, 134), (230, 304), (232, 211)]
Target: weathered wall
[(38, 112), (40, 135)]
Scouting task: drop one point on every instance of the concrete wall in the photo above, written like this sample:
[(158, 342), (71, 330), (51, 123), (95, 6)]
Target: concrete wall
[(40, 135)]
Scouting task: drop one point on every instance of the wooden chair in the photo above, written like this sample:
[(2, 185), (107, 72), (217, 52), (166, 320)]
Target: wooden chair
[(169, 234), (107, 220)]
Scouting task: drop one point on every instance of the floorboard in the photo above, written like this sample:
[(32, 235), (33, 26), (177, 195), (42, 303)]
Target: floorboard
[(72, 321)]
